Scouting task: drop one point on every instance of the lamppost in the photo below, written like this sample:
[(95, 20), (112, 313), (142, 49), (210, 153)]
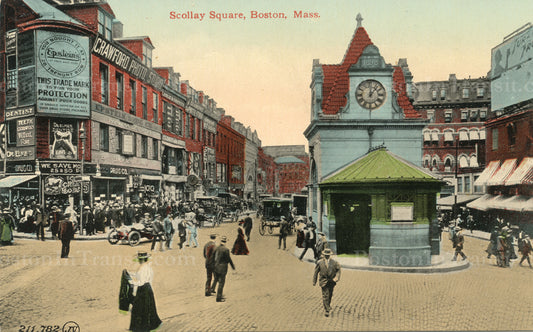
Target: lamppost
[(40, 198), (82, 138), (456, 182)]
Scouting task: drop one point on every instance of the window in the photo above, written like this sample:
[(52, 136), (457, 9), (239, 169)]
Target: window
[(120, 91), (187, 133), (147, 55), (482, 115), (155, 106), (442, 94), (480, 92), (511, 134), (448, 116), (155, 149), (464, 116), (459, 185), (118, 136), (193, 128), (144, 146), (466, 93), (133, 88), (467, 184), (431, 115), (494, 139), (145, 102), (463, 162), (105, 24), (434, 95), (473, 115), (104, 84), (104, 137)]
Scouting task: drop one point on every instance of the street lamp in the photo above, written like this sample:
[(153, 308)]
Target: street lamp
[(38, 173), (82, 138), (456, 182)]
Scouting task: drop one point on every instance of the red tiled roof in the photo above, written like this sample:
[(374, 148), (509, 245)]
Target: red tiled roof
[(399, 86), (335, 93)]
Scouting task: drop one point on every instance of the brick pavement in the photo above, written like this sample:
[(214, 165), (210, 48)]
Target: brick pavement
[(269, 291)]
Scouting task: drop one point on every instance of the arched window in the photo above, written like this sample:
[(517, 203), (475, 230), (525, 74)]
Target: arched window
[(463, 161)]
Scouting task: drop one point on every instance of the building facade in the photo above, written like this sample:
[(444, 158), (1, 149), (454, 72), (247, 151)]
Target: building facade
[(454, 139)]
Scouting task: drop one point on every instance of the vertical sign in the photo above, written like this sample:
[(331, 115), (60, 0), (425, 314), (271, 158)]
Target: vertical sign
[(26, 132), (63, 74)]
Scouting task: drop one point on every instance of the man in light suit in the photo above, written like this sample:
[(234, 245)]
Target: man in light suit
[(328, 272), (222, 259)]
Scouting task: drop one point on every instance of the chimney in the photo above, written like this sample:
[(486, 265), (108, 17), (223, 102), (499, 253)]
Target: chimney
[(118, 29)]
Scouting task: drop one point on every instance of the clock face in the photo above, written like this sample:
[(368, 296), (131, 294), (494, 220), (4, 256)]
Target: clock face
[(370, 94)]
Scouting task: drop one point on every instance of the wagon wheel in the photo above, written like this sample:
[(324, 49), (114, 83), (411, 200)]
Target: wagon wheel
[(270, 229), (262, 229), (112, 237)]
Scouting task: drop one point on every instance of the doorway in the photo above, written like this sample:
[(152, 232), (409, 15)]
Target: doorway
[(352, 222)]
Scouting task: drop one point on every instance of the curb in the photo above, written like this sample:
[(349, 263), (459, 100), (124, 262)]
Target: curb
[(32, 236), (438, 267)]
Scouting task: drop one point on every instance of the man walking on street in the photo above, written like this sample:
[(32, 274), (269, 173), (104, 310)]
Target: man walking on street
[(283, 232), (248, 223), (66, 233), (157, 231), (458, 243), (209, 255), (222, 259), (310, 241), (328, 273)]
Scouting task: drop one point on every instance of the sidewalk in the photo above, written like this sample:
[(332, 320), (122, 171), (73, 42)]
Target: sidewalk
[(439, 264), (48, 236)]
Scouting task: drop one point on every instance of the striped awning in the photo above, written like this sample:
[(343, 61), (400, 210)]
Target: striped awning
[(522, 174), (503, 173), (487, 173), (482, 203)]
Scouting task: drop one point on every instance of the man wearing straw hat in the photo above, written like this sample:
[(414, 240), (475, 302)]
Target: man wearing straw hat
[(328, 273), (222, 259)]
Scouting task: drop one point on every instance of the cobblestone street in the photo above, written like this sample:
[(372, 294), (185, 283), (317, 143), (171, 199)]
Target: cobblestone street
[(270, 290)]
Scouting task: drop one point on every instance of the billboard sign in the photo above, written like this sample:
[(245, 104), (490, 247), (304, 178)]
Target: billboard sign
[(63, 74), (510, 67)]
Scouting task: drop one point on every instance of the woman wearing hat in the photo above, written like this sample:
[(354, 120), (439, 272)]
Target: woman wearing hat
[(143, 311), (6, 227)]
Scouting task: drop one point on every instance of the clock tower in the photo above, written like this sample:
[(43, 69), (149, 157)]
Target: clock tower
[(356, 105)]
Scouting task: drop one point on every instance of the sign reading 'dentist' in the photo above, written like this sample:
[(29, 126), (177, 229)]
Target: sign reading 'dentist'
[(63, 74)]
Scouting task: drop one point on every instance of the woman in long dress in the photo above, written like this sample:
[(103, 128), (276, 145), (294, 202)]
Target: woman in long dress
[(6, 228), (240, 247), (143, 312)]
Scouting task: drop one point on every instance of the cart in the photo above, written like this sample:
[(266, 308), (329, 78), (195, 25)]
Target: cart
[(272, 211), (231, 205), (208, 210)]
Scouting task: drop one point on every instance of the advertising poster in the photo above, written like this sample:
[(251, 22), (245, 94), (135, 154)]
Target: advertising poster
[(285, 72), (63, 74)]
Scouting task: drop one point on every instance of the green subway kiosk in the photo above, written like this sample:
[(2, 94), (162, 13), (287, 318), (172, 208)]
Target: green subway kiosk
[(383, 206)]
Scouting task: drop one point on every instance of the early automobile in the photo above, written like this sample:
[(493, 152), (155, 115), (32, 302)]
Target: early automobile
[(231, 204), (208, 210)]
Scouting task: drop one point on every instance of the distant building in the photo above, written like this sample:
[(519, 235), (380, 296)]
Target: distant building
[(454, 139), (292, 168)]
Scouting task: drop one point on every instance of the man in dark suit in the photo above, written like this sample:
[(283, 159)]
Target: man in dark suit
[(248, 223), (328, 273), (66, 233), (222, 259), (310, 241), (209, 255)]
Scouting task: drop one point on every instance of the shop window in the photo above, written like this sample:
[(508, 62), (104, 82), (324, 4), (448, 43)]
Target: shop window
[(155, 106), (133, 105), (120, 91), (144, 102), (104, 137), (104, 84)]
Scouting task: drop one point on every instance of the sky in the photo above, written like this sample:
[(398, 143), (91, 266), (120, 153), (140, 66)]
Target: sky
[(259, 70)]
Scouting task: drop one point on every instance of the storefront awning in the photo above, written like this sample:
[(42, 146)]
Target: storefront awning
[(461, 199), (500, 202), (524, 172), (173, 145), (481, 203), (151, 177), (175, 178), (487, 173), (519, 203), (503, 173), (14, 180)]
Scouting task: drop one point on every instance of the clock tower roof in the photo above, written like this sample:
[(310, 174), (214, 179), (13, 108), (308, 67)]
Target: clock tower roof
[(336, 78), (400, 87)]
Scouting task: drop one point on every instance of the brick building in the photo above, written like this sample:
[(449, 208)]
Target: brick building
[(454, 139), (230, 145), (266, 173), (292, 168)]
